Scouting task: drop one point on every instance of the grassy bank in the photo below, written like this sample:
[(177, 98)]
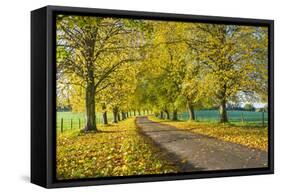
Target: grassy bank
[(116, 150), (251, 136)]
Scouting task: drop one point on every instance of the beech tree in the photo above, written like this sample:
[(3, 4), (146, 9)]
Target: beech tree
[(122, 65), (87, 48), (229, 56)]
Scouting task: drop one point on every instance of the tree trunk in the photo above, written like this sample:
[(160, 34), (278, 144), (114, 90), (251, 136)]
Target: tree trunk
[(91, 124), (134, 112), (104, 114), (175, 115), (118, 116), (123, 114), (139, 112), (161, 115), (115, 115), (190, 110), (223, 112), (167, 114), (127, 114)]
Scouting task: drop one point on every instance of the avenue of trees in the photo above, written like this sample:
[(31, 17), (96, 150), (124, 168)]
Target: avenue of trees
[(123, 65)]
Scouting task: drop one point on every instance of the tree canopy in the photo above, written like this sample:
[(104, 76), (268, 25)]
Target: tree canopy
[(120, 65)]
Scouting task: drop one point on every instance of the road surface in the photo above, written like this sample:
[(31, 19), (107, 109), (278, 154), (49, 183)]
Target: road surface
[(195, 152)]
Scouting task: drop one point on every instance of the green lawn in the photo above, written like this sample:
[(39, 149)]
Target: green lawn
[(233, 116), (75, 117), (250, 118)]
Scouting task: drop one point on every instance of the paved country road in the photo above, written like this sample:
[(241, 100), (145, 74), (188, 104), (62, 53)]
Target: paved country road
[(194, 152)]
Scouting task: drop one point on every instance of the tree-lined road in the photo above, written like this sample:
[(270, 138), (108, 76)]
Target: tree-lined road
[(193, 152)]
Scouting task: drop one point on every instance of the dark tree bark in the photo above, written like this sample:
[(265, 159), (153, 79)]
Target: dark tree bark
[(161, 115), (139, 112), (167, 114), (104, 114), (118, 116), (115, 115), (175, 115), (127, 114), (190, 110), (123, 114), (91, 124), (134, 112), (223, 112)]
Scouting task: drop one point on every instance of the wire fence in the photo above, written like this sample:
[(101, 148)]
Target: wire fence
[(70, 121), (67, 121), (260, 118)]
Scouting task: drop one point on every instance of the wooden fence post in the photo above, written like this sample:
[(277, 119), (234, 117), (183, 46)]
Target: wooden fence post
[(61, 125)]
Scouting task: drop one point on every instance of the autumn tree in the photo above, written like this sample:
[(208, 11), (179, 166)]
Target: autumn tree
[(167, 62), (117, 95), (86, 54), (121, 65), (229, 56)]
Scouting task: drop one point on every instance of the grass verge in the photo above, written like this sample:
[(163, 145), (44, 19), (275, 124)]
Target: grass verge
[(251, 136)]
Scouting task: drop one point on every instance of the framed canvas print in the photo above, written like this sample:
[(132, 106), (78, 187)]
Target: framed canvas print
[(126, 96)]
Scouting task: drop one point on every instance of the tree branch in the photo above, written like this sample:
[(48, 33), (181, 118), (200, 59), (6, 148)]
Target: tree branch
[(112, 69)]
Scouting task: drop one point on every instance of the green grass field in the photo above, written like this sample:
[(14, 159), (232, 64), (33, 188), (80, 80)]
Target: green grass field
[(250, 118), (233, 116), (75, 118)]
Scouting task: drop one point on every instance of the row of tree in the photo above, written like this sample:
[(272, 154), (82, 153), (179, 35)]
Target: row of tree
[(121, 65)]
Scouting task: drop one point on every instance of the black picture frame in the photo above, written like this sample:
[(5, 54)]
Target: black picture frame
[(43, 96)]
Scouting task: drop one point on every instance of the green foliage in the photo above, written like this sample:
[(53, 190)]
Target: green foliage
[(249, 107)]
